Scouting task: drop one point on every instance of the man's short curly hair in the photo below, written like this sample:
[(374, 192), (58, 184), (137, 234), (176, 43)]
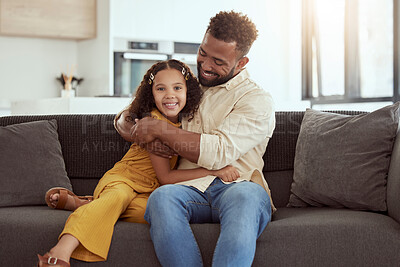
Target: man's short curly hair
[(233, 27)]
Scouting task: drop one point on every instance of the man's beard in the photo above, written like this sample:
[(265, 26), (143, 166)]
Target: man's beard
[(217, 81)]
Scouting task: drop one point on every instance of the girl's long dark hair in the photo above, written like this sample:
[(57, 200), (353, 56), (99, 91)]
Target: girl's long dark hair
[(143, 102)]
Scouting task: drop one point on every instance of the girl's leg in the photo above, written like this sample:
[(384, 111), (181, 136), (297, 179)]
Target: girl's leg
[(135, 211), (64, 248), (92, 225)]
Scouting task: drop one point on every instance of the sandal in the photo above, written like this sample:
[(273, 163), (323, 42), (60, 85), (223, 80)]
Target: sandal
[(47, 260), (67, 200)]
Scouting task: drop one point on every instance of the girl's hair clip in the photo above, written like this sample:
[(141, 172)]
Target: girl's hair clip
[(183, 73), (151, 78)]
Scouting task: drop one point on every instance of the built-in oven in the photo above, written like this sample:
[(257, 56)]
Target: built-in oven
[(133, 58)]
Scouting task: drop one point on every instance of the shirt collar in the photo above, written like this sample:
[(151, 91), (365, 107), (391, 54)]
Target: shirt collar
[(232, 83)]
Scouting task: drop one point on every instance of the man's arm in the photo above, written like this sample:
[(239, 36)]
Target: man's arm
[(184, 143), (123, 123), (246, 128), (250, 123)]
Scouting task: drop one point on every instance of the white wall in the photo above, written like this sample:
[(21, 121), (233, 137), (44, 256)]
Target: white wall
[(95, 59), (29, 66), (275, 58)]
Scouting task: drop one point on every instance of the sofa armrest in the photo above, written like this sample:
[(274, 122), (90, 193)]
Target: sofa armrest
[(393, 182)]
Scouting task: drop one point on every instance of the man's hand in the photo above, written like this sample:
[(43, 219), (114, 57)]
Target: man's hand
[(184, 143), (227, 174), (126, 127), (144, 133), (145, 130)]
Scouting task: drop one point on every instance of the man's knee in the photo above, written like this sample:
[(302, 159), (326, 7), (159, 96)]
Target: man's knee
[(160, 201), (245, 192), (248, 202), (162, 195)]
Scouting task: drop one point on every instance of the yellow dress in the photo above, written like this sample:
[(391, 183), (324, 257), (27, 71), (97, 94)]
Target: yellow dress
[(121, 193)]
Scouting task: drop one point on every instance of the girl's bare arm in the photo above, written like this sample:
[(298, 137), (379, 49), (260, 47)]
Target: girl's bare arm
[(167, 176)]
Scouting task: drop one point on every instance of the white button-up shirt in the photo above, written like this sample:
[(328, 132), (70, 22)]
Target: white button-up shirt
[(236, 121)]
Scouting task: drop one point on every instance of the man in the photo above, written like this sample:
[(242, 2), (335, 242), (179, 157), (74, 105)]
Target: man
[(232, 127)]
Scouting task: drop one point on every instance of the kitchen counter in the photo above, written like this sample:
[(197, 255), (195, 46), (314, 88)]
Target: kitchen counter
[(70, 105)]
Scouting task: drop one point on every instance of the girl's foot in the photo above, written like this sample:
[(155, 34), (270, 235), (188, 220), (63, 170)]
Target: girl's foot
[(47, 260), (61, 253), (64, 199)]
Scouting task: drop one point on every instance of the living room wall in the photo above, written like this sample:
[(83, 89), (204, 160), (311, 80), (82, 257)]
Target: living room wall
[(275, 58), (29, 66)]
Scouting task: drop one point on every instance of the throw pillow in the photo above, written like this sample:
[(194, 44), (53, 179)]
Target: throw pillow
[(31, 162), (343, 161)]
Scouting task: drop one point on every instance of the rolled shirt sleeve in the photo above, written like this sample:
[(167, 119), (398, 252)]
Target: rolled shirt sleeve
[(250, 123), (236, 121)]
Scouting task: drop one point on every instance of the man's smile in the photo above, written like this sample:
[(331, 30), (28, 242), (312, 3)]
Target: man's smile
[(208, 74)]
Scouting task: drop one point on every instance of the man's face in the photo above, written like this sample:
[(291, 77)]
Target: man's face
[(217, 61)]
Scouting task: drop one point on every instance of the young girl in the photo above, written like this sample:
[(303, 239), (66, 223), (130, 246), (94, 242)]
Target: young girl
[(169, 91)]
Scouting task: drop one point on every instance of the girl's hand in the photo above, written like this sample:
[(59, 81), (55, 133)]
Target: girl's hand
[(227, 174)]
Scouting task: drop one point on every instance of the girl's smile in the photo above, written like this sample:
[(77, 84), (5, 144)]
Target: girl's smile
[(169, 91)]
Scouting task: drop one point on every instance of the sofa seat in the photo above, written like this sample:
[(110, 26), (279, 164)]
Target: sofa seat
[(359, 238), (27, 224), (290, 239)]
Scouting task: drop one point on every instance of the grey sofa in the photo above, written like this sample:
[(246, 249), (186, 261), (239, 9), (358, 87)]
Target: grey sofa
[(295, 237)]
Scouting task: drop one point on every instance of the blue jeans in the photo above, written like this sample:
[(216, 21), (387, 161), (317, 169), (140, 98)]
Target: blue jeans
[(243, 210)]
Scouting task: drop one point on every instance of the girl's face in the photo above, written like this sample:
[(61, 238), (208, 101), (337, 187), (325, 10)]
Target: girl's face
[(169, 91)]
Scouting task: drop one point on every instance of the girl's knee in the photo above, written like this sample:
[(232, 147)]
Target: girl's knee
[(120, 193), (136, 209)]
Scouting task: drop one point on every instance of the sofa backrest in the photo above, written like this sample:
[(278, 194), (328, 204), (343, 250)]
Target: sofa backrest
[(279, 156), (393, 183), (91, 146)]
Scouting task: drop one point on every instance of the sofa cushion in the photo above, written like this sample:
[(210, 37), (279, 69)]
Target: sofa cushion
[(328, 237), (343, 161), (393, 183), (31, 162)]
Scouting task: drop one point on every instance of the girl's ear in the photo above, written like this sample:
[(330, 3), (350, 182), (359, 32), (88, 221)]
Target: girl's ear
[(242, 63)]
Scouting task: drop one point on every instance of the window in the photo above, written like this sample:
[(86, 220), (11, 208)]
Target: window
[(348, 52)]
